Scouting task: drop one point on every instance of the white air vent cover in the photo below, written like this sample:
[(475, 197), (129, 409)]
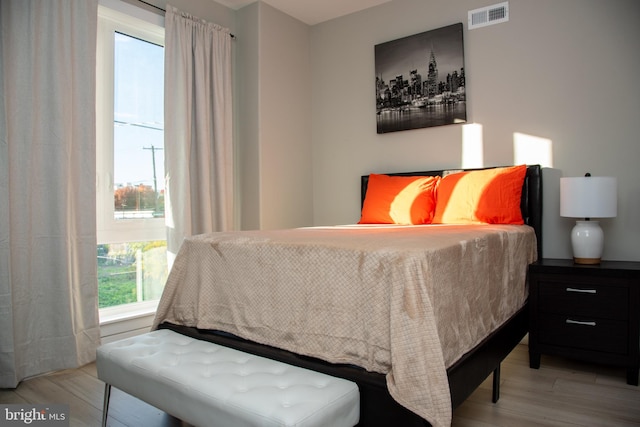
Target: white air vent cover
[(489, 15)]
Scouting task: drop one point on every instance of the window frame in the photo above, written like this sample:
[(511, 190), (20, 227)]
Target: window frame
[(108, 229)]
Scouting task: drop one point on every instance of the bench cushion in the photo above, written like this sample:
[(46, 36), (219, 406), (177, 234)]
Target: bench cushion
[(209, 385)]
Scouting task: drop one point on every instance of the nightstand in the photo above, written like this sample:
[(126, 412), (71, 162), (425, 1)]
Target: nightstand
[(586, 312)]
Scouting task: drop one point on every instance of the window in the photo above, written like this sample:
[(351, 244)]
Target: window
[(131, 252)]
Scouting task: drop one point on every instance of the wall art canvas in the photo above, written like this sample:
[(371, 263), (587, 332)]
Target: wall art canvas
[(420, 80)]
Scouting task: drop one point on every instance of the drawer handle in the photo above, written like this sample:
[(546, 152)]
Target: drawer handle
[(582, 291), (577, 322)]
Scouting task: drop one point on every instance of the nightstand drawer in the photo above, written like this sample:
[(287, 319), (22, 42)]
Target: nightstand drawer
[(606, 302), (610, 336), (587, 312)]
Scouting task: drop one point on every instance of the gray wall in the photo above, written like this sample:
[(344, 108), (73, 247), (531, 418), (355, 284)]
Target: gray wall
[(203, 9), (274, 119), (560, 73), (563, 72)]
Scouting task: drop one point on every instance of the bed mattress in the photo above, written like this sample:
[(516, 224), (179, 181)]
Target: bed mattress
[(404, 301)]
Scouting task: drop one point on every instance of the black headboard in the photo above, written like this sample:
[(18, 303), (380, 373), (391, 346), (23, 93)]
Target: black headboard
[(531, 203)]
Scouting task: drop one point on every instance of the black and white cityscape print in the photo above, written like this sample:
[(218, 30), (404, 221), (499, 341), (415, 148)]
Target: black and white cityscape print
[(420, 80)]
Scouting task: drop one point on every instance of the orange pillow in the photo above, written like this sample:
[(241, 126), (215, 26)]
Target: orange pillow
[(488, 196), (399, 199)]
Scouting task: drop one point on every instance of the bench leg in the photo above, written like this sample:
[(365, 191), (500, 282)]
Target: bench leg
[(105, 406), (496, 385)]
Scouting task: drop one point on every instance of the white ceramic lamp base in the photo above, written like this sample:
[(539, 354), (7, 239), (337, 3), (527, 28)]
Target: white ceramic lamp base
[(587, 240)]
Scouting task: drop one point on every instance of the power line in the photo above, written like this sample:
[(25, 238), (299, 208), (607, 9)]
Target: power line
[(141, 125)]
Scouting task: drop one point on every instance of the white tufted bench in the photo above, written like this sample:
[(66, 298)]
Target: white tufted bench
[(206, 384)]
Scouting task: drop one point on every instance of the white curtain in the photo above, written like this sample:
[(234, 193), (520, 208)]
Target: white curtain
[(48, 278), (198, 127)]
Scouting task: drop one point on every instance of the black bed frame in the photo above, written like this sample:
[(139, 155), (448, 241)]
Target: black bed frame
[(377, 407)]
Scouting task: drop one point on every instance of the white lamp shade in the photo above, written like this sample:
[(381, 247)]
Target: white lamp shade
[(588, 197)]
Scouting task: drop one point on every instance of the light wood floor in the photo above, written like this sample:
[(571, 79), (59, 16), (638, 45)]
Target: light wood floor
[(560, 393)]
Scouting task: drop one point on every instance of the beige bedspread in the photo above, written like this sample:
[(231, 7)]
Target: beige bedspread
[(405, 301)]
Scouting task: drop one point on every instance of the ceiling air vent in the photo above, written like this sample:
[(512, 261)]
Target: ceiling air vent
[(489, 15)]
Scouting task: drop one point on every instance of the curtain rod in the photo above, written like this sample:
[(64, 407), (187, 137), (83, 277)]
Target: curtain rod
[(159, 8)]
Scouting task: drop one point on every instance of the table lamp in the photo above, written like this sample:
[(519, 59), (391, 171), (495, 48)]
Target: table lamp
[(588, 197)]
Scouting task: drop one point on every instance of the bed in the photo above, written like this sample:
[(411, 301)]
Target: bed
[(391, 362)]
